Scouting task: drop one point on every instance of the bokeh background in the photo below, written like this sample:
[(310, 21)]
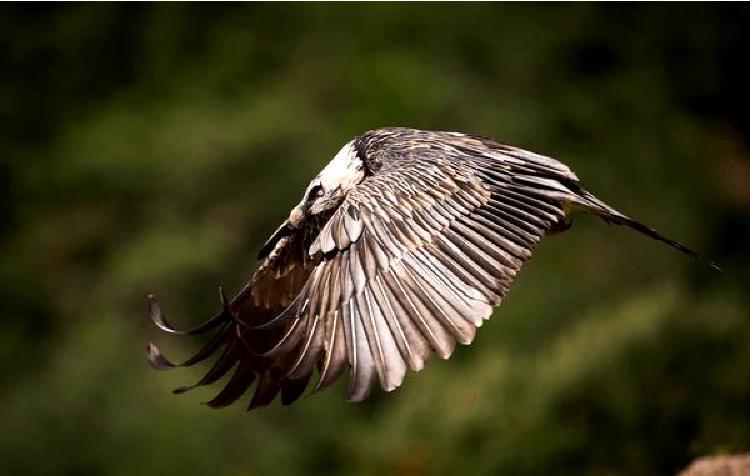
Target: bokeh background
[(152, 148)]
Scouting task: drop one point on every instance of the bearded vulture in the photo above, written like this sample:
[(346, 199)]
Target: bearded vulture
[(401, 246)]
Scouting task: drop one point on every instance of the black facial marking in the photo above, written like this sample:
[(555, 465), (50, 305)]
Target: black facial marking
[(315, 192)]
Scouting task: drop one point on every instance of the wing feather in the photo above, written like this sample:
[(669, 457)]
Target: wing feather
[(410, 342), (241, 380), (363, 367), (440, 340), (335, 359)]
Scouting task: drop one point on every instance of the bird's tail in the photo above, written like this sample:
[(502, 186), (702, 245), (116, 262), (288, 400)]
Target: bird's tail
[(592, 204)]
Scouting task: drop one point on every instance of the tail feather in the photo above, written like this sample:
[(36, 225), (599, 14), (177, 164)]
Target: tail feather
[(610, 215)]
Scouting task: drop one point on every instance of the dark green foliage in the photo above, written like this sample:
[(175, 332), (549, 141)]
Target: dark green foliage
[(152, 148)]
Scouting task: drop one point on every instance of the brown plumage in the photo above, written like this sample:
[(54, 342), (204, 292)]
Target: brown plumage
[(402, 246)]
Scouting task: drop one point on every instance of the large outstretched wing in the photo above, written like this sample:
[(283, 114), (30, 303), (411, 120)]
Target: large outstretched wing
[(412, 262), (416, 258)]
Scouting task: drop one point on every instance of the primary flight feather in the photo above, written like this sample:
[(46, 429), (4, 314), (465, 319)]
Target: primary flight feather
[(401, 246)]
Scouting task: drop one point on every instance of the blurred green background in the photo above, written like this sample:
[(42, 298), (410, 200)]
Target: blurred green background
[(152, 148)]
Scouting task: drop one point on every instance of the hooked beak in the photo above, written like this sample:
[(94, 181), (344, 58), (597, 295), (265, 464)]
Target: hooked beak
[(296, 216)]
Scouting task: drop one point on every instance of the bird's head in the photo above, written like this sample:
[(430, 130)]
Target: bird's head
[(329, 188)]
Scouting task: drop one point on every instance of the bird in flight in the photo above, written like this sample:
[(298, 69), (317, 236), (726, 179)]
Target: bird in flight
[(400, 247)]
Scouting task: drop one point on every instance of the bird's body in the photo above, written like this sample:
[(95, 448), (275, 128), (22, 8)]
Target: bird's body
[(401, 246)]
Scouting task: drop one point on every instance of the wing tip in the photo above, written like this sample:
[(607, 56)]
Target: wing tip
[(156, 359), (159, 318), (157, 315)]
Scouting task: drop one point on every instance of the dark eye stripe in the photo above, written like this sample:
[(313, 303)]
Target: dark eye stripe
[(316, 191)]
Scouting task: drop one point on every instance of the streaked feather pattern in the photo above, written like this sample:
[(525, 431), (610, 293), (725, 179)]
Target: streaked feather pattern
[(409, 259)]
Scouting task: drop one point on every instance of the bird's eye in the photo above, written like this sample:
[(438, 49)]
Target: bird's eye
[(316, 191)]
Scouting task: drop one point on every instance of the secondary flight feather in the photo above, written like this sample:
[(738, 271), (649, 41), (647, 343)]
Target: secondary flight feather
[(401, 247)]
